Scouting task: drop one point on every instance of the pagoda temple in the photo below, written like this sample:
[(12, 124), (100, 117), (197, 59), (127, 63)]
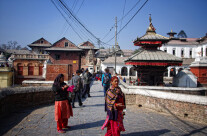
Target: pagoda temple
[(149, 62)]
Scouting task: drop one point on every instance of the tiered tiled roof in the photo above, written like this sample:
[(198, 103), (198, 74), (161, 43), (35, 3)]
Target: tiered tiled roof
[(149, 55), (153, 55)]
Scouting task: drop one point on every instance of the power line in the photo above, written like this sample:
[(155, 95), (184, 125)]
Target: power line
[(108, 33), (123, 12), (122, 18), (129, 10), (129, 21), (79, 34), (77, 19), (80, 7), (66, 20)]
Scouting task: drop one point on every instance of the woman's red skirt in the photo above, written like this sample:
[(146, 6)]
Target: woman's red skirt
[(63, 110)]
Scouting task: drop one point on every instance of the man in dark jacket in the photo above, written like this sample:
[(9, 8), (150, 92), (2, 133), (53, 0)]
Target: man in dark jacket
[(77, 82), (87, 81)]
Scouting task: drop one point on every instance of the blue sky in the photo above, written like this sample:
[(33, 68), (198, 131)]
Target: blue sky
[(25, 21)]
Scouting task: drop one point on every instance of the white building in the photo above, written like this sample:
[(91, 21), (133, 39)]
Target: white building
[(186, 48), (121, 68)]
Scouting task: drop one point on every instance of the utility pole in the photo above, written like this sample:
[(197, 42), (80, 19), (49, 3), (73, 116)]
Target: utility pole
[(99, 43), (115, 42)]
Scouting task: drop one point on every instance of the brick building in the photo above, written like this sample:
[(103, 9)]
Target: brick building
[(40, 45), (27, 65), (88, 59), (64, 52), (31, 64)]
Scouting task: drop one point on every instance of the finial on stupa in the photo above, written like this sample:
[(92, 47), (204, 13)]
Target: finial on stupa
[(151, 29), (150, 19)]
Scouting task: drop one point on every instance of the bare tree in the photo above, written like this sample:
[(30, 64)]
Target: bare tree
[(11, 45)]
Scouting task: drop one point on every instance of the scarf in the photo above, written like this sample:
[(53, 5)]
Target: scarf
[(111, 96)]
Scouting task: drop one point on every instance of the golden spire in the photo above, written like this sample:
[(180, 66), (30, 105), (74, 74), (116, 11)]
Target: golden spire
[(151, 29)]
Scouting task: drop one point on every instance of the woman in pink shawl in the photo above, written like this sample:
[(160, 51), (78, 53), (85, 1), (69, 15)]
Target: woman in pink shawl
[(115, 103)]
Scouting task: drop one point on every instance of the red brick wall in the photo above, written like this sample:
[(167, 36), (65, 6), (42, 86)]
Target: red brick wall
[(201, 74), (69, 58), (83, 58), (39, 41), (23, 62), (61, 43), (54, 69)]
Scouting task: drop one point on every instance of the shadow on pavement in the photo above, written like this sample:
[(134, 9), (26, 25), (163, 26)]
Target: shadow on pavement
[(95, 105), (98, 96), (197, 131), (87, 125), (11, 120), (148, 133)]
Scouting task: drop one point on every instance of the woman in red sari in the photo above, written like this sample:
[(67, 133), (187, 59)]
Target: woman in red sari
[(115, 103), (63, 109)]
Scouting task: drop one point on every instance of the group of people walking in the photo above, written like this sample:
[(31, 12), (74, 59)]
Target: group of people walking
[(114, 100)]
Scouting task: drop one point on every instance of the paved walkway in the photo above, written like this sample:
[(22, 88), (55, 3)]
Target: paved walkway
[(87, 121)]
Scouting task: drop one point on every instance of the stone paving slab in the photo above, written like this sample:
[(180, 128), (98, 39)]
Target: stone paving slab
[(87, 121)]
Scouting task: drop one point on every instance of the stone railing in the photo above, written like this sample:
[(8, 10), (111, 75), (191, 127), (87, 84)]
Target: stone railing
[(31, 56), (37, 83), (14, 99), (193, 107)]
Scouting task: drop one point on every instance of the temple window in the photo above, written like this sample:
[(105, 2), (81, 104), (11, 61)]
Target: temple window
[(132, 72), (57, 57), (124, 71), (30, 69), (165, 50), (19, 69), (40, 70), (190, 53), (201, 52), (41, 42), (206, 51), (182, 52), (66, 44), (173, 51)]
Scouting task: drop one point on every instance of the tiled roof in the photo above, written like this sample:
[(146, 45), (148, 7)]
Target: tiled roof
[(111, 60), (185, 41), (202, 40), (153, 37), (39, 45), (88, 47), (188, 61), (153, 55), (20, 51), (62, 49)]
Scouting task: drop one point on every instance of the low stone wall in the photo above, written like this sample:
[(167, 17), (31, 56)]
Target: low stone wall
[(37, 83), (14, 99), (187, 106)]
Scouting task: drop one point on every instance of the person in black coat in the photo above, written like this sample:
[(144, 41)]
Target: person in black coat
[(63, 109)]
